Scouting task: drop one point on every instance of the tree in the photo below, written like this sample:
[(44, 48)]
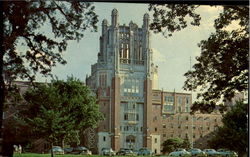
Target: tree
[(25, 50), (171, 144), (222, 68), (58, 109), (233, 134), (186, 143)]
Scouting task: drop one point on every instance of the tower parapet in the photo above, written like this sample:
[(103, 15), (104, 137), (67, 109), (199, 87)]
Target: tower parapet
[(114, 17)]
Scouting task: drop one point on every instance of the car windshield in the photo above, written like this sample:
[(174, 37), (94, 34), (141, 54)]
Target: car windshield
[(194, 150)]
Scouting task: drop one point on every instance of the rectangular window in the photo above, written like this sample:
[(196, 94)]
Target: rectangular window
[(179, 100), (187, 100), (155, 129), (125, 116), (164, 126), (155, 140), (164, 135), (141, 129), (137, 117), (104, 138)]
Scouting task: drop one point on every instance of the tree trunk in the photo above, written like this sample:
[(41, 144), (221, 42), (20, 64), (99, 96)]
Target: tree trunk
[(1, 77), (62, 143), (52, 153)]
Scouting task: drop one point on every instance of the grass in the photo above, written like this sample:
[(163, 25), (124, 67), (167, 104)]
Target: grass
[(67, 155)]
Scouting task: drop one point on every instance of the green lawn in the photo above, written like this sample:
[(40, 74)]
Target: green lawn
[(48, 155)]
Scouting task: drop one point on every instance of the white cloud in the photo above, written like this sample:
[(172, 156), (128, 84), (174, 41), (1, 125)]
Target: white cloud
[(158, 57)]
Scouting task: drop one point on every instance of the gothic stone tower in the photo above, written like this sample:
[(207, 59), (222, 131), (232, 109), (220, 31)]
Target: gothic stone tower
[(123, 78)]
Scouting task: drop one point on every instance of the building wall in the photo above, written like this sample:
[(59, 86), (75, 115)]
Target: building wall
[(125, 79)]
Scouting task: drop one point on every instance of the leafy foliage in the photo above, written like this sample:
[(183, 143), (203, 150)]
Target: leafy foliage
[(233, 134), (171, 144), (26, 49), (58, 109), (186, 143), (168, 18), (222, 67)]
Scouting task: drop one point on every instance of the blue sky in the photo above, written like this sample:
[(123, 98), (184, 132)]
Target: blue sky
[(172, 55)]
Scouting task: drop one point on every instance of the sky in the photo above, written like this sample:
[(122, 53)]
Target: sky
[(172, 55)]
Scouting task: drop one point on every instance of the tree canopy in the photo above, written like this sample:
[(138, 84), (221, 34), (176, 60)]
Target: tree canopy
[(58, 109), (222, 68), (172, 144), (27, 50), (233, 134)]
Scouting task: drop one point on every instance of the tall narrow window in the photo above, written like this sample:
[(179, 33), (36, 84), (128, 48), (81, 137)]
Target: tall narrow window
[(127, 51)]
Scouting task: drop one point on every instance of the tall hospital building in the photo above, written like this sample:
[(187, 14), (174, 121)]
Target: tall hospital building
[(125, 81)]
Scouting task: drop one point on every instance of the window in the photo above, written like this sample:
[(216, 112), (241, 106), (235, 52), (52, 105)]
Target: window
[(104, 138), (187, 118), (193, 135), (164, 126), (164, 135), (179, 127), (187, 100), (125, 116), (155, 129), (194, 127), (208, 128), (179, 108), (155, 140), (186, 126), (169, 99), (121, 128), (141, 129), (179, 100), (167, 108)]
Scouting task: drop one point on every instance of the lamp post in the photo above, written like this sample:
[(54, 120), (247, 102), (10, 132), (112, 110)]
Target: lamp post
[(192, 116)]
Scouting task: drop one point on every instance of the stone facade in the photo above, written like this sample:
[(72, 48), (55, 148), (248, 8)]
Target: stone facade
[(136, 113)]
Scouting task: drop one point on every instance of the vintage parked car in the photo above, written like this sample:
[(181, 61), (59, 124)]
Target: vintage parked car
[(211, 152), (197, 152), (145, 151), (125, 151), (67, 150), (108, 151), (180, 152), (227, 153), (81, 150), (57, 150), (136, 152)]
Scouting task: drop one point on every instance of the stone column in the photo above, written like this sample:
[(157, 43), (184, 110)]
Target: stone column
[(147, 121), (115, 108)]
